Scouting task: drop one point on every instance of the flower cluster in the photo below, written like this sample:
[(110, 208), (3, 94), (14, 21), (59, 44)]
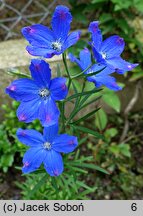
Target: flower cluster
[(38, 95)]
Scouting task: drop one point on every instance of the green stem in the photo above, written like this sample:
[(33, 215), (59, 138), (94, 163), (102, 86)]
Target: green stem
[(80, 74), (66, 67), (62, 107), (76, 107)]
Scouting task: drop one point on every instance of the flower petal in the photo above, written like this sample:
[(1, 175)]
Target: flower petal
[(108, 81), (38, 51), (61, 22), (28, 111), (96, 35), (76, 60), (113, 46), (98, 56), (30, 137), (41, 72), (53, 163), (64, 143), (58, 88), (22, 90), (100, 69), (51, 132), (33, 159), (48, 112), (85, 58), (38, 35), (71, 39), (120, 65)]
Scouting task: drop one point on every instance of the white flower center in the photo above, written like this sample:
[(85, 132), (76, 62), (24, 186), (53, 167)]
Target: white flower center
[(44, 93), (47, 145), (90, 71), (104, 55), (57, 46)]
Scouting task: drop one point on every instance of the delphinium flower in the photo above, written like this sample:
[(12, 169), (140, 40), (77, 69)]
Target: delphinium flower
[(99, 79), (38, 95), (48, 42), (108, 51), (45, 149)]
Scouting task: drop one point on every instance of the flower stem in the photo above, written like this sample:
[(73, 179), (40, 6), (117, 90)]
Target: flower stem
[(62, 108), (80, 74), (66, 67)]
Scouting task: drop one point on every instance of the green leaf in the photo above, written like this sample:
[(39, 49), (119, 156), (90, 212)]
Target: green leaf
[(89, 131), (101, 119), (125, 149), (7, 160), (114, 149), (82, 94), (86, 116), (90, 166), (112, 100), (122, 148), (39, 185), (16, 72), (112, 132), (93, 73), (97, 1), (90, 102)]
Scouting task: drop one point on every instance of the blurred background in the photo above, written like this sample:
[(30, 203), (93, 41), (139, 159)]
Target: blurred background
[(120, 119)]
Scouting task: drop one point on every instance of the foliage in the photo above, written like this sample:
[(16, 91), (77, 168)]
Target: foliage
[(9, 143)]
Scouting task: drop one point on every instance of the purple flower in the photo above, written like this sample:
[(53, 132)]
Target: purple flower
[(101, 78), (38, 95), (45, 149), (46, 42), (108, 51)]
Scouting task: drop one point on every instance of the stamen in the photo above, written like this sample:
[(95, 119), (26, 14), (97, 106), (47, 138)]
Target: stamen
[(57, 46), (44, 93), (47, 145), (104, 55)]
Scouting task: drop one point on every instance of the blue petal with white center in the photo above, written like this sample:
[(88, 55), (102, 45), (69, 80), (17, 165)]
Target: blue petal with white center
[(47, 42), (102, 77), (38, 95), (45, 149), (108, 52)]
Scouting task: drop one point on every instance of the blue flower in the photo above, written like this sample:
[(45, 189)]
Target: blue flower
[(38, 95), (45, 149), (46, 42), (101, 78), (108, 51)]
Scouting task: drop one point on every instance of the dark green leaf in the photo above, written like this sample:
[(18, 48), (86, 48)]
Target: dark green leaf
[(101, 119), (86, 116), (89, 131), (90, 166)]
